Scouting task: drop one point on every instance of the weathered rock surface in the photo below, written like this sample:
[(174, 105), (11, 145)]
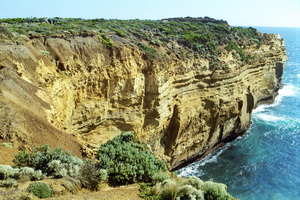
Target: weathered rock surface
[(76, 93)]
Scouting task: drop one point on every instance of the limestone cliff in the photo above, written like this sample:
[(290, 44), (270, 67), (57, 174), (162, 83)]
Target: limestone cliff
[(77, 92)]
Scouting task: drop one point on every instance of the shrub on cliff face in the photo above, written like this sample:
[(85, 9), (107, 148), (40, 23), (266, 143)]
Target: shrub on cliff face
[(150, 52), (128, 161), (4, 32), (106, 40), (50, 161)]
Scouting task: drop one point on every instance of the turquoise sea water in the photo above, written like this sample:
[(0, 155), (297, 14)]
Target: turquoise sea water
[(264, 164)]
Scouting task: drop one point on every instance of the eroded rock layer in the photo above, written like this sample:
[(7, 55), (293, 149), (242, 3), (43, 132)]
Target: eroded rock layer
[(77, 93)]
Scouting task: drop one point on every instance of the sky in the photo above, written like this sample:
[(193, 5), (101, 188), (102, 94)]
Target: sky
[(278, 13)]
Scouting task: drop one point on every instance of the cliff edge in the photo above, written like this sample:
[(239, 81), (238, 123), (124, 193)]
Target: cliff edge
[(184, 86)]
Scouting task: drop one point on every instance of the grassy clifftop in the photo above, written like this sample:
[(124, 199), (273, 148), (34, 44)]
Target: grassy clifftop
[(204, 37)]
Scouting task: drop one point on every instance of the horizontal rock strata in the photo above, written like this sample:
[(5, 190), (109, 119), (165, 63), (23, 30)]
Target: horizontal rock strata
[(77, 93)]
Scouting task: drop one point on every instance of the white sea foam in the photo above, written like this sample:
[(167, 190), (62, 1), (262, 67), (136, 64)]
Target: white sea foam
[(194, 168), (262, 108), (269, 118), (190, 170), (287, 90)]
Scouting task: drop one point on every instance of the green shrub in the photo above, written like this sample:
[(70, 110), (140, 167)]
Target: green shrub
[(103, 175), (168, 190), (4, 31), (72, 185), (160, 176), (50, 161), (40, 189), (7, 171), (128, 161), (192, 37), (119, 32), (106, 40), (24, 173), (191, 188), (89, 176), (195, 182), (233, 46), (146, 192), (45, 53), (60, 169), (7, 145), (215, 191), (150, 52), (10, 182), (28, 173), (189, 192)]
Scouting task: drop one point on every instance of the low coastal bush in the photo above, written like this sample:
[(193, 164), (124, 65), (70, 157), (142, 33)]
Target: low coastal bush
[(23, 173), (28, 173), (10, 182), (106, 40), (60, 169), (213, 191), (7, 145), (160, 176), (6, 171), (233, 46), (128, 161), (54, 162), (146, 192), (5, 32), (178, 188), (122, 160), (91, 176), (150, 52), (40, 189)]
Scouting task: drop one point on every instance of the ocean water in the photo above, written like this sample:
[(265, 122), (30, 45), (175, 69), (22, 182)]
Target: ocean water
[(265, 163)]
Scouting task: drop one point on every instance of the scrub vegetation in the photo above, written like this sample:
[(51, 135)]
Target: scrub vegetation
[(203, 37), (122, 160)]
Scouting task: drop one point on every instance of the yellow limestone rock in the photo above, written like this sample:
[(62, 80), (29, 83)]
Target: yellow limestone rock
[(81, 89)]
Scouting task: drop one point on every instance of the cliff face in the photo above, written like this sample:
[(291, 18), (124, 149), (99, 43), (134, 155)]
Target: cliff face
[(77, 93)]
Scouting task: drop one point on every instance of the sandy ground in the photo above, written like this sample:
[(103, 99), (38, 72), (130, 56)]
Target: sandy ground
[(108, 193), (120, 193), (7, 154)]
